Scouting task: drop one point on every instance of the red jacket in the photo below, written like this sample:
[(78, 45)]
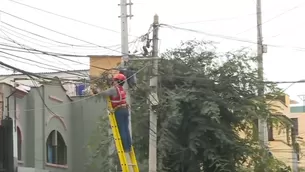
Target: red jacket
[(120, 99)]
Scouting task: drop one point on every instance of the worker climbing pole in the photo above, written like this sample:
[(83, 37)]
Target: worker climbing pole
[(119, 121)]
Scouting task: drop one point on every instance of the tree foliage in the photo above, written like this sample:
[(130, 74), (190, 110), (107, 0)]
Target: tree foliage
[(207, 101)]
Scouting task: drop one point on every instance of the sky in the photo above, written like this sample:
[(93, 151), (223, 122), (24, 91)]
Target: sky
[(283, 31)]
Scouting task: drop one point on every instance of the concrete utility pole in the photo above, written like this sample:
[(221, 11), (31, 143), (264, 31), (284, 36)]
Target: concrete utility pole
[(124, 62), (262, 122), (154, 99), (124, 44)]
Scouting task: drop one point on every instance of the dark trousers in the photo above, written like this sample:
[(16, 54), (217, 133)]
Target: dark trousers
[(122, 118)]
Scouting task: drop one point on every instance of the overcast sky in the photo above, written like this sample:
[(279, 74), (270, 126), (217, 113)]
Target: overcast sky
[(283, 30)]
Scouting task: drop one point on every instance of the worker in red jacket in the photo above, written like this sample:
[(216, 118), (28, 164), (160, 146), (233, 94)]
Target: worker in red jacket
[(117, 96)]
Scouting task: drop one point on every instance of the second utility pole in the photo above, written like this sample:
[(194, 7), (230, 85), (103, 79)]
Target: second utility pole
[(154, 100), (262, 121)]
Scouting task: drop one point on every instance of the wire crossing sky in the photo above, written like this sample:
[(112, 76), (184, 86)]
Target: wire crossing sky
[(96, 27)]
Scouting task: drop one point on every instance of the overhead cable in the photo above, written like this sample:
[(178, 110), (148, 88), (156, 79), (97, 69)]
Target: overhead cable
[(104, 47), (89, 24)]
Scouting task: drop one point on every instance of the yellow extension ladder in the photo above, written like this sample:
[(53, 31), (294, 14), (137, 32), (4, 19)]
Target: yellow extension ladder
[(123, 157)]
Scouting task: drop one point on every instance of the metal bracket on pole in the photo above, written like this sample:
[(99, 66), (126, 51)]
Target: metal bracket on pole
[(127, 15)]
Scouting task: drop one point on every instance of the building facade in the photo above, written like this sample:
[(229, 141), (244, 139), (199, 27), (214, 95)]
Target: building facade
[(280, 135), (51, 129), (71, 85)]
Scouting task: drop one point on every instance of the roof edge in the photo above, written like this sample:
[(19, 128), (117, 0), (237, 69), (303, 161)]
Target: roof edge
[(17, 74), (106, 56)]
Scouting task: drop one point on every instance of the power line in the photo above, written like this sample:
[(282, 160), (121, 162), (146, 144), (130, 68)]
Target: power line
[(104, 47), (205, 79), (49, 39), (67, 59), (23, 71), (41, 51), (276, 16), (45, 66), (29, 52), (75, 20), (18, 33), (38, 35), (13, 41), (43, 77), (214, 20), (66, 44), (230, 37), (36, 51), (22, 47)]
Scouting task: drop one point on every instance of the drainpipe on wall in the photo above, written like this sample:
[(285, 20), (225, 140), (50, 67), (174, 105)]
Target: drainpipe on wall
[(15, 113), (43, 128)]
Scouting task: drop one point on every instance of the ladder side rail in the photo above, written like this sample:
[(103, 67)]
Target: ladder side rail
[(117, 139), (134, 160), (118, 144)]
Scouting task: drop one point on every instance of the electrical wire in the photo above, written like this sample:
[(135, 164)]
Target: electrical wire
[(41, 51), (28, 51), (231, 38), (67, 44), (201, 78), (41, 96), (214, 20), (39, 35), (60, 57), (57, 55), (62, 104), (39, 64), (44, 67), (275, 17), (11, 31), (104, 47), (33, 74), (75, 20)]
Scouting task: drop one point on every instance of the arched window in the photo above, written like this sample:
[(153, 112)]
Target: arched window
[(56, 149), (19, 143)]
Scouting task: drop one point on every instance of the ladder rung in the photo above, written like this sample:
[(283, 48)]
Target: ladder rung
[(131, 164)]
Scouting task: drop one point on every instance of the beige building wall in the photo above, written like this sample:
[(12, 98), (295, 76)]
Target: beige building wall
[(280, 144), (98, 64)]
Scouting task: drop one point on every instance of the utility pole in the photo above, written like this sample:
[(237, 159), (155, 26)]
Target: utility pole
[(154, 100), (262, 121), (124, 45), (124, 62)]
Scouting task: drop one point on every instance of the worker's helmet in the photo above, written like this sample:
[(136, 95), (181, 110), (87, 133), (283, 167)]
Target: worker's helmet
[(119, 77)]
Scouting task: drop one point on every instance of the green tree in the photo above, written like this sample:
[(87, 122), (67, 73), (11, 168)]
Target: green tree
[(206, 100)]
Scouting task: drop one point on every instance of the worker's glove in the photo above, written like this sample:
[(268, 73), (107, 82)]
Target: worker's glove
[(94, 91)]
